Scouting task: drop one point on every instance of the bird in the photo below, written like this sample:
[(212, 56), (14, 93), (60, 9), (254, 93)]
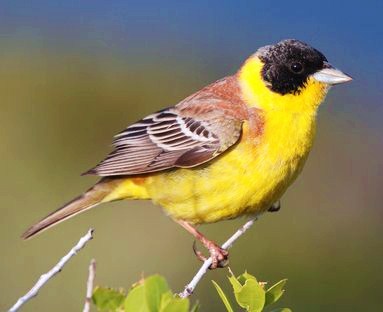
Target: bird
[(230, 149)]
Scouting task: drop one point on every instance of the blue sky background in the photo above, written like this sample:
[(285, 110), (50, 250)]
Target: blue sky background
[(217, 33)]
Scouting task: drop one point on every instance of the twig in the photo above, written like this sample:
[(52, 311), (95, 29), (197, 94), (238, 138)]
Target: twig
[(189, 288), (89, 285), (56, 269)]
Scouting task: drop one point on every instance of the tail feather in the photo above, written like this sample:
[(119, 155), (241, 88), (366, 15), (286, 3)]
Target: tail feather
[(88, 200)]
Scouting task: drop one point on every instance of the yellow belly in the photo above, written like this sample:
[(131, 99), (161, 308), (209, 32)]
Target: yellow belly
[(245, 180)]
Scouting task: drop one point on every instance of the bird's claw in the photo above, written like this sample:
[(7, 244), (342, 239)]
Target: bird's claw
[(275, 207), (218, 255), (198, 254)]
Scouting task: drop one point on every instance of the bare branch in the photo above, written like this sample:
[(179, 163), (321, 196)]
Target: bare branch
[(89, 285), (189, 288), (56, 269)]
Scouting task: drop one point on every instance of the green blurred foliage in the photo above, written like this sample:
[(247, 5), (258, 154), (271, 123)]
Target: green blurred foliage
[(58, 112), (251, 294), (108, 299), (151, 294)]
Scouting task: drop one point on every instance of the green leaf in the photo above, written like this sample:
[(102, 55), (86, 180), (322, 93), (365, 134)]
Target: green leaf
[(135, 301), (155, 287), (237, 286), (251, 296), (146, 297), (108, 299), (170, 303), (275, 292), (282, 310), (245, 276), (223, 297), (165, 299)]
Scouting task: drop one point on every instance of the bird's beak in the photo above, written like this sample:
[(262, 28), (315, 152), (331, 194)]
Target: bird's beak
[(330, 75)]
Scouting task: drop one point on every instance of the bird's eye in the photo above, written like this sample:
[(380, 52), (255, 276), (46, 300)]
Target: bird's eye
[(296, 68)]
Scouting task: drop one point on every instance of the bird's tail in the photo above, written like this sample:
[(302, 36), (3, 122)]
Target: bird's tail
[(91, 198)]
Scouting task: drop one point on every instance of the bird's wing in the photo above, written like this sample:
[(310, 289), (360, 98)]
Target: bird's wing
[(186, 135)]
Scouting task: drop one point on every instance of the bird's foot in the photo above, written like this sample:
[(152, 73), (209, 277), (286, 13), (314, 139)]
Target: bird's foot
[(275, 207), (218, 255)]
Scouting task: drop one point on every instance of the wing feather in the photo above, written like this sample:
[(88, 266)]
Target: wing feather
[(186, 135)]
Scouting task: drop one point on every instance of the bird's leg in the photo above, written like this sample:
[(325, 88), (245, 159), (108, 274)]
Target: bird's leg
[(275, 207), (218, 255)]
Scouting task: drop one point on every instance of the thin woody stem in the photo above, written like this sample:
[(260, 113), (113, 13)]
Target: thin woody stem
[(89, 285), (51, 273)]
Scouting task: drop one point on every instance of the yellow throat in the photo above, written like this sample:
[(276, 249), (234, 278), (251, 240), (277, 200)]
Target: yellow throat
[(256, 93), (289, 120)]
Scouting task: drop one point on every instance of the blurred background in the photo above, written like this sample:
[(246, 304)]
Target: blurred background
[(74, 73)]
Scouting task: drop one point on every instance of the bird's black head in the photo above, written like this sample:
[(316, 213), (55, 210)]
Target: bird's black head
[(288, 65)]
